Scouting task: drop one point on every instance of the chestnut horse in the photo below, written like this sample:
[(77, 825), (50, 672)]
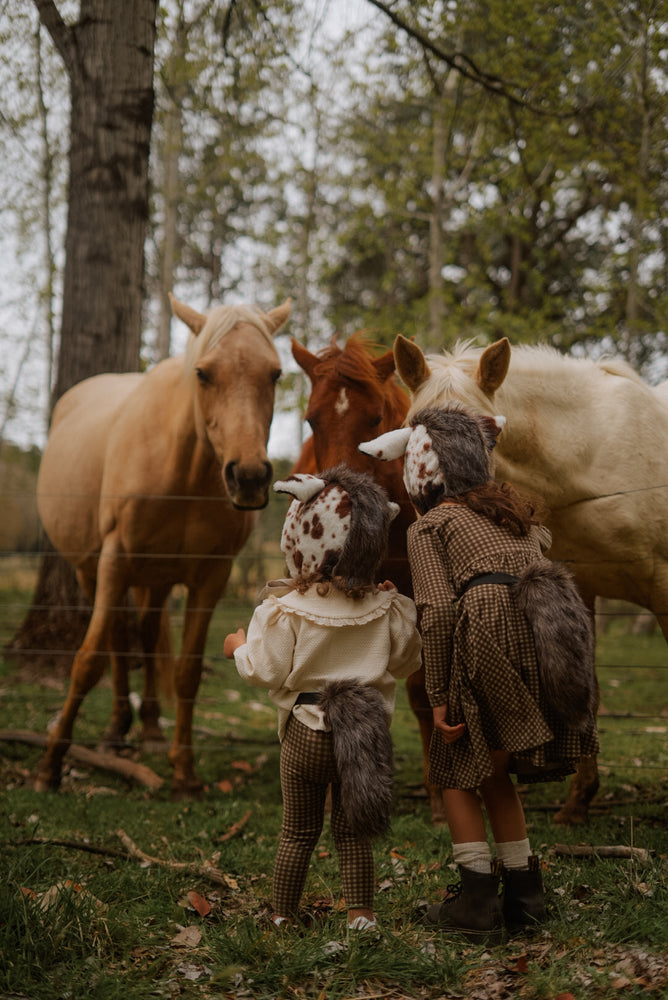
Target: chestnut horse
[(354, 398), (591, 440), (149, 480)]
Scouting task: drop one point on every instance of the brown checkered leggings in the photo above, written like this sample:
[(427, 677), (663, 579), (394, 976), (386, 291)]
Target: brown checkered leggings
[(307, 768)]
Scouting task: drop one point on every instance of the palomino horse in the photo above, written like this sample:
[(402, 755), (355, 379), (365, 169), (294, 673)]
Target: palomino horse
[(154, 479), (588, 438), (354, 398)]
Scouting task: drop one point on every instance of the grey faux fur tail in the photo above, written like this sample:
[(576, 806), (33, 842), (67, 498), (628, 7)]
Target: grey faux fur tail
[(564, 637), (363, 754)]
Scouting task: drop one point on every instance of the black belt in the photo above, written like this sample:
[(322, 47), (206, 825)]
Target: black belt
[(308, 698), (475, 581)]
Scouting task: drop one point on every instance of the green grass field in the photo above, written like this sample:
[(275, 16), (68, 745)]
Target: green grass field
[(83, 917)]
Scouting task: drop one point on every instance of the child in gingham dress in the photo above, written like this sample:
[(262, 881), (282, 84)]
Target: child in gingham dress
[(509, 661)]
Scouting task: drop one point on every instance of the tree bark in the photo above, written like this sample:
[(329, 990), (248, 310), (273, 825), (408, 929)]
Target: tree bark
[(108, 54)]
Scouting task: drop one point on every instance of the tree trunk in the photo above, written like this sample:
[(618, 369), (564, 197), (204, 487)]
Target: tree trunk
[(108, 55)]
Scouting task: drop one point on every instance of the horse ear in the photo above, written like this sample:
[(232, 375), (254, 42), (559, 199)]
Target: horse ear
[(411, 363), (278, 317), (304, 358), (193, 320), (384, 366), (493, 366)]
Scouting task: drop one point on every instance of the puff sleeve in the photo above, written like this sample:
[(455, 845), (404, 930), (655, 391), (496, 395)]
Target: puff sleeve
[(435, 601)]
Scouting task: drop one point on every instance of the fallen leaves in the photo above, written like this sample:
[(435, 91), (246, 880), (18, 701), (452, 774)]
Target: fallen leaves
[(55, 893)]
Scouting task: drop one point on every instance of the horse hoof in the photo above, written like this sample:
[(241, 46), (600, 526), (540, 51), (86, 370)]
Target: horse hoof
[(152, 738), (153, 745), (112, 745), (46, 783), (187, 791), (571, 817)]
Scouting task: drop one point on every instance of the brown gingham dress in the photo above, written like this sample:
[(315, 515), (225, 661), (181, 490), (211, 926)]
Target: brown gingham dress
[(479, 653)]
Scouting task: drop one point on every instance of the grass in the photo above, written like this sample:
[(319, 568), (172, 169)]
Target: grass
[(81, 918)]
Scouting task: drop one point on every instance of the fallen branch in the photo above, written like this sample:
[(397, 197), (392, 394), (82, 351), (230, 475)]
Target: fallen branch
[(604, 851), (93, 758), (75, 845), (236, 827), (207, 869)]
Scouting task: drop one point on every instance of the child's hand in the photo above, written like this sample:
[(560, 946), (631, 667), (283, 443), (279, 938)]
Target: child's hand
[(449, 733), (233, 641), (386, 585)]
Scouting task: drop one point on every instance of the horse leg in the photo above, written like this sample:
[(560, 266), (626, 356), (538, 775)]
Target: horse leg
[(199, 609), (87, 668), (419, 702), (121, 709), (152, 625), (583, 788)]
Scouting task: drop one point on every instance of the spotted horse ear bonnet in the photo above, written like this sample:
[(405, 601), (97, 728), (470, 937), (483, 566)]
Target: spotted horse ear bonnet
[(447, 452), (336, 526)]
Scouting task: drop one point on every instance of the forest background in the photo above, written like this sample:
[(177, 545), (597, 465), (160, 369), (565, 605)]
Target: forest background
[(442, 169)]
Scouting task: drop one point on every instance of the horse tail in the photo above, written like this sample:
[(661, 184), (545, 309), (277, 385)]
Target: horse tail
[(564, 638), (363, 754)]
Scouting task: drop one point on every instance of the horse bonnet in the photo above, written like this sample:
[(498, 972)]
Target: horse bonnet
[(336, 525), (447, 452)]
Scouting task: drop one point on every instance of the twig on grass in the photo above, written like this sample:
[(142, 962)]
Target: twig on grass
[(75, 845), (236, 828), (206, 869), (603, 851), (93, 758)]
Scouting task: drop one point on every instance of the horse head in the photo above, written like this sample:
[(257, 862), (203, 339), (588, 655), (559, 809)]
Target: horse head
[(354, 398), (469, 376), (234, 366)]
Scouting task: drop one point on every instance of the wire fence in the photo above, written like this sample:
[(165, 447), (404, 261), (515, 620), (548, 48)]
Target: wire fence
[(260, 559)]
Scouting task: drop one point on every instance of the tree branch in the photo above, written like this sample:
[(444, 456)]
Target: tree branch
[(467, 67), (105, 761), (61, 35)]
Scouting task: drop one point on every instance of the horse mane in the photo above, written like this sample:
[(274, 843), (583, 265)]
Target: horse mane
[(353, 363), (453, 372), (220, 321)]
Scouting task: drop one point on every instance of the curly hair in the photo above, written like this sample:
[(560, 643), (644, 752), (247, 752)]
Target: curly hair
[(323, 585), (501, 504)]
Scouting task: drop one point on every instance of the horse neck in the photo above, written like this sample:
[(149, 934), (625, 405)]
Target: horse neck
[(545, 442)]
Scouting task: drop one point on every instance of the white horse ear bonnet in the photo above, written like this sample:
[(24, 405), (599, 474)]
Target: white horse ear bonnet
[(337, 525), (447, 452)]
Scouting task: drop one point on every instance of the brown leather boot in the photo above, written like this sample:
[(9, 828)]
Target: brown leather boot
[(523, 897), (472, 908)]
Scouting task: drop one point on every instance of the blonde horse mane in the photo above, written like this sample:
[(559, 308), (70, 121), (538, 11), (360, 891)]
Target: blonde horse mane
[(219, 322), (453, 372)]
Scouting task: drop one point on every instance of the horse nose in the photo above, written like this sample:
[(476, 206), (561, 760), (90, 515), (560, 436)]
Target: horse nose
[(248, 484)]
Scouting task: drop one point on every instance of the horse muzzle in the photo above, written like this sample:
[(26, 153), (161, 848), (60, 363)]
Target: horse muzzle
[(248, 485)]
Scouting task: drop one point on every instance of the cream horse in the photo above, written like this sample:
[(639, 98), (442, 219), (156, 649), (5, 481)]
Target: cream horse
[(149, 480), (590, 439)]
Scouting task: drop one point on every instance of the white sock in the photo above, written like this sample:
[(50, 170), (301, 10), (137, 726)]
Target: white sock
[(475, 856), (514, 854), (362, 924)]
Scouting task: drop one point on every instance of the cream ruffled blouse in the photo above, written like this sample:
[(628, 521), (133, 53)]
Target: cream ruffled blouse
[(298, 642)]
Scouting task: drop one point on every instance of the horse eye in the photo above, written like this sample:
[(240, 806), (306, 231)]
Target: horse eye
[(202, 376), (375, 421), (275, 375)]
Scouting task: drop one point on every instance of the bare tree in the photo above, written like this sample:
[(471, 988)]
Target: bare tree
[(108, 56)]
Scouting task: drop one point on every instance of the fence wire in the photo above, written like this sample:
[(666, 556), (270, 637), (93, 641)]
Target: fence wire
[(261, 554)]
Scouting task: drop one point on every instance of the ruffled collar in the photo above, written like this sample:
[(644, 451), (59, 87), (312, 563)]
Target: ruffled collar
[(335, 608)]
